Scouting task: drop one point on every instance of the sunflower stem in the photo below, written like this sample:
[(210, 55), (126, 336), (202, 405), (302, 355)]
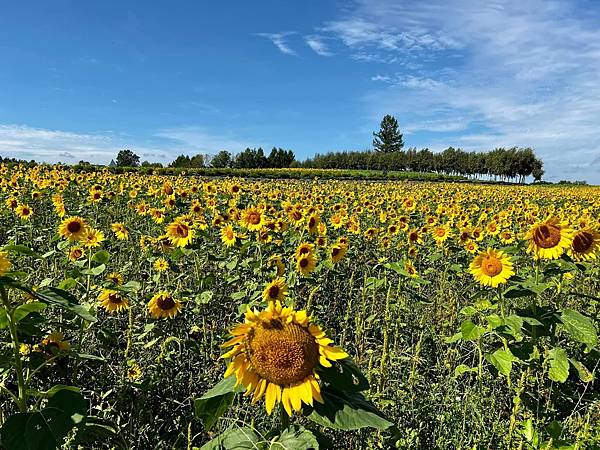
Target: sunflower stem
[(285, 419)]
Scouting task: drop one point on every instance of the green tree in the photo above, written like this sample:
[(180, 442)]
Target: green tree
[(126, 158), (389, 138), (181, 161), (222, 160)]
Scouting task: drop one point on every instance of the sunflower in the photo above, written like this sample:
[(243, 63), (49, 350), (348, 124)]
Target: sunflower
[(115, 278), (337, 252), (75, 253), (120, 231), (54, 343), (228, 236), (133, 371), (276, 353), (585, 244), (163, 305), (306, 264), (471, 247), (410, 269), (73, 228), (113, 301), (24, 212), (161, 265), (276, 261), (441, 233), (305, 248), (253, 219), (491, 268), (5, 263), (549, 239), (180, 233), (92, 238), (507, 237), (276, 290)]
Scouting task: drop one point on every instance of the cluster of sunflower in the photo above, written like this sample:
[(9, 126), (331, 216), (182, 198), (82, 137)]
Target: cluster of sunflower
[(297, 226)]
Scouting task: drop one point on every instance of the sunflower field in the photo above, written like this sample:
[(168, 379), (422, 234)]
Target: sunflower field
[(144, 311)]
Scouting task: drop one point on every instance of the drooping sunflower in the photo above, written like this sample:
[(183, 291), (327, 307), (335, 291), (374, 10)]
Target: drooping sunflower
[(306, 264), (304, 248), (276, 290), (73, 228), (163, 305), (5, 263), (276, 353), (121, 232), (585, 245), (337, 252), (549, 239), (75, 253), (228, 236), (180, 233), (252, 219), (115, 278), (491, 268), (113, 301)]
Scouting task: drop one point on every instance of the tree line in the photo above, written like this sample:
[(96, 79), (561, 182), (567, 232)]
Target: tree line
[(512, 164)]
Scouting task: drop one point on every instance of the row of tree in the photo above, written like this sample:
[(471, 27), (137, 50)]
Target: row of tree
[(513, 164)]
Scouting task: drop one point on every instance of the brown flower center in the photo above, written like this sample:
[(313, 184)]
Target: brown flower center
[(491, 266), (74, 227), (283, 354), (254, 218), (181, 231), (274, 291), (582, 241), (165, 303), (546, 236)]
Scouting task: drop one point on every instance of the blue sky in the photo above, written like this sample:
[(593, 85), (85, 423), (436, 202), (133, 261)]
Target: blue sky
[(80, 80)]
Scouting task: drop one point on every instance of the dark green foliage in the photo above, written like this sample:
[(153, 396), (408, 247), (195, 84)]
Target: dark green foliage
[(126, 158), (389, 138), (222, 160)]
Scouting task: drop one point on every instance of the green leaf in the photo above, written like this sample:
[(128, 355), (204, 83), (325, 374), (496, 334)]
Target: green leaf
[(210, 410), (21, 250), (584, 374), (23, 310), (297, 438), (502, 359), (463, 368), (53, 390), (63, 299), (470, 331), (69, 402), (345, 376), (12, 434), (94, 271), (347, 411), (101, 257), (579, 327), (225, 386), (559, 365), (243, 438), (518, 291), (46, 430)]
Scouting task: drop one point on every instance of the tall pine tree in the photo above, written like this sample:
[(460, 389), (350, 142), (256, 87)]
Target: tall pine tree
[(389, 138)]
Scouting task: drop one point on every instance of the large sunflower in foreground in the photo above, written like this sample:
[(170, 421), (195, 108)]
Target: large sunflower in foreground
[(276, 353), (549, 239), (585, 244), (491, 268)]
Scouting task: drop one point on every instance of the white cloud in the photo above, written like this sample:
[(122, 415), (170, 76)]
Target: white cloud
[(493, 74), (315, 42), (279, 40), (24, 142)]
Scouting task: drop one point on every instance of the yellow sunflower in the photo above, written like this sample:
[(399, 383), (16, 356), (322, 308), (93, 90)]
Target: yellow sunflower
[(585, 244), (75, 253), (276, 290), (161, 265), (115, 278), (92, 238), (228, 236), (276, 261), (5, 263), (276, 353), (163, 305), (549, 239), (337, 252), (180, 233), (306, 264), (73, 228), (120, 231), (304, 248), (491, 268), (113, 301), (253, 219), (24, 212)]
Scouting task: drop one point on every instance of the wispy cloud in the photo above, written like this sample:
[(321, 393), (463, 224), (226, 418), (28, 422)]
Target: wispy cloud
[(25, 142), (491, 74), (280, 41), (317, 44)]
